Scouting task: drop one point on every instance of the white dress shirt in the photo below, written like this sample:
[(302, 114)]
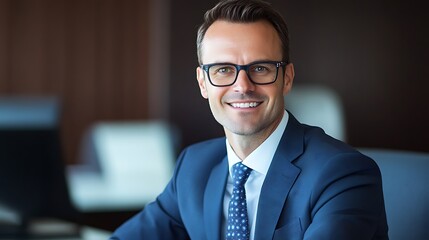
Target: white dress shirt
[(259, 160)]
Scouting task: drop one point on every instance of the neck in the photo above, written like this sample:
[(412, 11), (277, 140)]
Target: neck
[(244, 145)]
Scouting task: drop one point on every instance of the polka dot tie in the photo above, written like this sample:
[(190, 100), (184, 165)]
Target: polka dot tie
[(238, 223)]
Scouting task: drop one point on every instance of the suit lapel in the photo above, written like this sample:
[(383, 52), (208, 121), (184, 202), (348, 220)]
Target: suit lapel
[(279, 180), (213, 199)]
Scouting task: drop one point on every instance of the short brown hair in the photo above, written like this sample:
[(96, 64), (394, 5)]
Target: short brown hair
[(244, 11)]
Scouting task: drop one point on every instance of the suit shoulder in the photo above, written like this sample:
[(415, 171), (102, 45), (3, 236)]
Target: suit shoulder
[(208, 149), (317, 140), (207, 145), (322, 147)]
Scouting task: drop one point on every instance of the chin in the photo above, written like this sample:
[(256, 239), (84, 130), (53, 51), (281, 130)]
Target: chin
[(243, 130)]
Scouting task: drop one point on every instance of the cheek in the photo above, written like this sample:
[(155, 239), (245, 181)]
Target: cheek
[(212, 95), (215, 105), (277, 96), (215, 95)]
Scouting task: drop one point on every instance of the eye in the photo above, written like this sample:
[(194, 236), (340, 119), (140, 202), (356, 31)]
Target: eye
[(262, 68), (222, 70), (259, 69)]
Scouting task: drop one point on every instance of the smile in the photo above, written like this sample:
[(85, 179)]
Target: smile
[(245, 105)]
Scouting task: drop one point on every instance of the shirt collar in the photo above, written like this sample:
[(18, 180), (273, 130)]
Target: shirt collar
[(260, 159)]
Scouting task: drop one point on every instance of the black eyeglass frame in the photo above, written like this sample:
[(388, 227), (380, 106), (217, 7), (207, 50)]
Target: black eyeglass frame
[(278, 64)]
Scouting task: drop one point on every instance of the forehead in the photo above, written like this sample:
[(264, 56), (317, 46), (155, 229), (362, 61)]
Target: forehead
[(241, 42)]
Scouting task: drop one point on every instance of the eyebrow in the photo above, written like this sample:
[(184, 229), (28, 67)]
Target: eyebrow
[(253, 62)]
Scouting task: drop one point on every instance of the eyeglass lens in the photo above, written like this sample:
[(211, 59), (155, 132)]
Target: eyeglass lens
[(226, 74)]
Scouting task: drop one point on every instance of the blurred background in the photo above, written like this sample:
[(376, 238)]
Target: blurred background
[(135, 60)]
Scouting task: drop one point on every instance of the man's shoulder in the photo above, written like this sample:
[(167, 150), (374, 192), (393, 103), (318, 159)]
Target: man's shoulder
[(208, 144), (212, 147), (202, 156), (324, 149), (316, 139)]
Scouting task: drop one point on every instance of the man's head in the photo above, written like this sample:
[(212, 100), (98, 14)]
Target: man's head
[(244, 72), (244, 11)]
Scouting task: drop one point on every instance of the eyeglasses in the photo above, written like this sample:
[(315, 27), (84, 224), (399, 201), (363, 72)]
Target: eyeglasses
[(225, 74)]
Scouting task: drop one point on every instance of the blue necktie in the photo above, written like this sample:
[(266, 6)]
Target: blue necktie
[(238, 223)]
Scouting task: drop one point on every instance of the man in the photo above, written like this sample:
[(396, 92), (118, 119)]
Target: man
[(298, 183)]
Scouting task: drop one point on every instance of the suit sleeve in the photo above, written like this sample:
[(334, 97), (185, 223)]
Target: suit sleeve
[(348, 204), (158, 220)]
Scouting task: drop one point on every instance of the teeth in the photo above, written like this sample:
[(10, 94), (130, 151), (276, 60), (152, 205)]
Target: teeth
[(244, 105)]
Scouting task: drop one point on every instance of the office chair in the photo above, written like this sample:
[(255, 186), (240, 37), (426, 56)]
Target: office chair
[(124, 166), (318, 106), (406, 191)]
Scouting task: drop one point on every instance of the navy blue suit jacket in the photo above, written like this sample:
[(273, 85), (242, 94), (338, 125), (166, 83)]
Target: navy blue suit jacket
[(316, 188)]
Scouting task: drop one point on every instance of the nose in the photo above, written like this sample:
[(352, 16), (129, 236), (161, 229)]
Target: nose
[(243, 83)]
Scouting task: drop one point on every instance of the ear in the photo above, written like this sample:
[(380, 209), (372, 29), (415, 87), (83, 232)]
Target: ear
[(288, 78), (201, 82)]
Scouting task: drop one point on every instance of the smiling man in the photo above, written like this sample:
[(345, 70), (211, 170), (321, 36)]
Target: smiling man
[(270, 177), (248, 104)]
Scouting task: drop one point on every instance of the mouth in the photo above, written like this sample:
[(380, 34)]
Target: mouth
[(244, 105)]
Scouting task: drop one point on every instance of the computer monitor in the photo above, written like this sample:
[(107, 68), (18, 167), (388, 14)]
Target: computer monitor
[(32, 179)]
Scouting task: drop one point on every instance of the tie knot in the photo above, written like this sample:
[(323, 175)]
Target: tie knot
[(240, 173)]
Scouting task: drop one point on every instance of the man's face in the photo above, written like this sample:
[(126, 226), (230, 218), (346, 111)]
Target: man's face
[(244, 108)]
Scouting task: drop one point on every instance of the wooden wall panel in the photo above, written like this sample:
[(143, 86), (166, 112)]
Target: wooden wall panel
[(91, 54), (4, 44)]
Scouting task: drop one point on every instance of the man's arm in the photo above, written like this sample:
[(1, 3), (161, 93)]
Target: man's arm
[(349, 203)]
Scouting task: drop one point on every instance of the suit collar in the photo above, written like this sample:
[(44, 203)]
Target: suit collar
[(292, 143), (279, 180)]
